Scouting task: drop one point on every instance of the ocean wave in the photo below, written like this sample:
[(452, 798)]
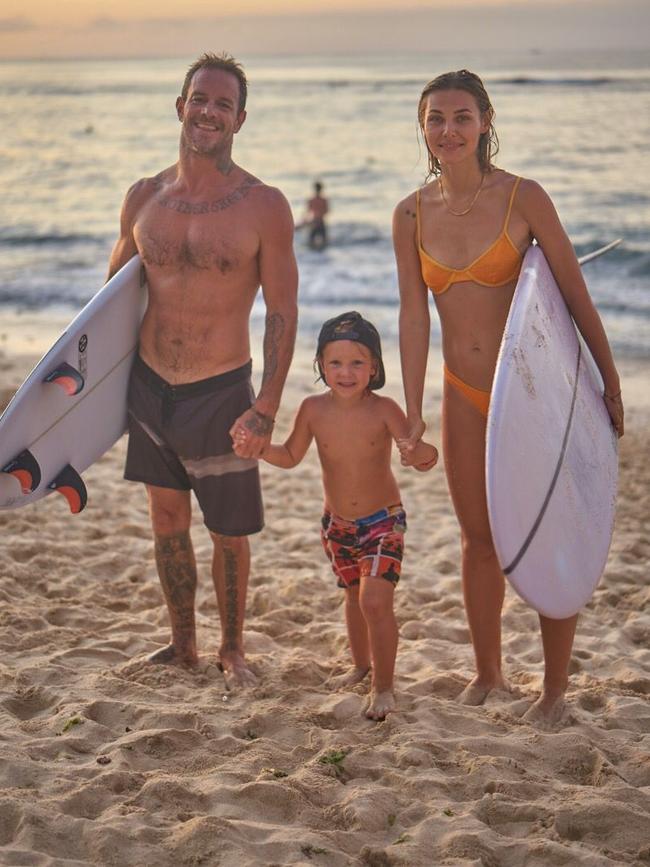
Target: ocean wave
[(54, 239), (42, 300), (528, 81), (95, 88)]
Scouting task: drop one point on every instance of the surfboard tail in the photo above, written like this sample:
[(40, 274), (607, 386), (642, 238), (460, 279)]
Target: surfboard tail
[(69, 484), (66, 377), (24, 467)]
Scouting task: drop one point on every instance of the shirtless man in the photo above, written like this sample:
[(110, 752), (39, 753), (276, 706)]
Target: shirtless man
[(317, 207), (209, 235)]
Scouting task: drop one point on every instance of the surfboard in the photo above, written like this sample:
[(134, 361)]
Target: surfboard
[(551, 451), (72, 406)]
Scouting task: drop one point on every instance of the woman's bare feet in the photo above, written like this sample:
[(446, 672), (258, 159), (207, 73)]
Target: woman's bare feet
[(171, 656), (548, 710), (380, 704), (477, 690), (349, 678)]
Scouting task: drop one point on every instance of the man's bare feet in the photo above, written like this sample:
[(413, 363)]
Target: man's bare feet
[(235, 671), (171, 656), (477, 690), (350, 678), (547, 711), (380, 704)]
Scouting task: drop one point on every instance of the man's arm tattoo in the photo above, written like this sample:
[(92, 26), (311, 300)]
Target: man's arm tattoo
[(259, 424), (273, 334)]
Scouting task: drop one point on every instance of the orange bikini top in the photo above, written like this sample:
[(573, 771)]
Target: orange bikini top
[(498, 265)]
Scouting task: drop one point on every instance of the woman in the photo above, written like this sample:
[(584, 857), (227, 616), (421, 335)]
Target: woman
[(463, 235)]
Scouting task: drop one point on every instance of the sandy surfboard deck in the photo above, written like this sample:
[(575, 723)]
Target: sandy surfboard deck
[(72, 406), (551, 452)]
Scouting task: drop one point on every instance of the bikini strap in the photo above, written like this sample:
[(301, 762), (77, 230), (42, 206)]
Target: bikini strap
[(512, 199)]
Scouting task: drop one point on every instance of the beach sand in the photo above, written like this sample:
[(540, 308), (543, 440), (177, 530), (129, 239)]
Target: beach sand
[(108, 760)]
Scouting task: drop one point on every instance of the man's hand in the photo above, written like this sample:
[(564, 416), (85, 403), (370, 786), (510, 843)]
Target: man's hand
[(251, 433)]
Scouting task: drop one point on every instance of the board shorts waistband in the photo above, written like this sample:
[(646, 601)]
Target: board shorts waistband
[(182, 391)]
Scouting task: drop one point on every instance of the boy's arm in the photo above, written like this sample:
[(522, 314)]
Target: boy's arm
[(293, 450), (423, 456)]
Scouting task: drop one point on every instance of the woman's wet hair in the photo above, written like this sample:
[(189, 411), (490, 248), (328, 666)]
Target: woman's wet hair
[(463, 79)]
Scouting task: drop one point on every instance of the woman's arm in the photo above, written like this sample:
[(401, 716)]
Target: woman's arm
[(414, 319), (537, 208)]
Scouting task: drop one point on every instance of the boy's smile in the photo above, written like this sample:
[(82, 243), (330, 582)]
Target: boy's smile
[(348, 367)]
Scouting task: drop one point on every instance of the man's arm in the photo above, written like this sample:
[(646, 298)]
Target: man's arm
[(279, 279), (125, 247)]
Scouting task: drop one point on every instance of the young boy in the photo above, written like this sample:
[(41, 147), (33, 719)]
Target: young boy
[(363, 524)]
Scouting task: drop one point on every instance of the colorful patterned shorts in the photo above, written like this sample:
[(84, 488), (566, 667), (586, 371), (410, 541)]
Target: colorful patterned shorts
[(370, 547)]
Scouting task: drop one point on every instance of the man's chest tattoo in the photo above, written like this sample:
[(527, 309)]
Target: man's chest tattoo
[(181, 206)]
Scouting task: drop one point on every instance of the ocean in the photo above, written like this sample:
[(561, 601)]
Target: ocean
[(76, 134)]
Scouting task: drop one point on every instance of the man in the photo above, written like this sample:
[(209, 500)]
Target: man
[(209, 235), (317, 207)]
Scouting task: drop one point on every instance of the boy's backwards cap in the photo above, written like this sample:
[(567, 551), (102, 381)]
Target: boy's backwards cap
[(352, 326)]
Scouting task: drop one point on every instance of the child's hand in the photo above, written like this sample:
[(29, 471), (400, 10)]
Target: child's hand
[(240, 442), (406, 452)]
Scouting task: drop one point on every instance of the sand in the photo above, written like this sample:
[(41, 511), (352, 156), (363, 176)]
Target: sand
[(105, 759)]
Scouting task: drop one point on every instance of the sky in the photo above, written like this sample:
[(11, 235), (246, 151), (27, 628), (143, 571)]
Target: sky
[(160, 28)]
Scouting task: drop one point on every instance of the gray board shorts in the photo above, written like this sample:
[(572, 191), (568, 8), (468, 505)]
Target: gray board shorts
[(178, 438)]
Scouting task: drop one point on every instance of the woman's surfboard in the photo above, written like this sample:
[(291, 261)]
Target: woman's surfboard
[(72, 406), (551, 452)]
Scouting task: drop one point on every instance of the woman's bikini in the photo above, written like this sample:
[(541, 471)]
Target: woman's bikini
[(498, 265)]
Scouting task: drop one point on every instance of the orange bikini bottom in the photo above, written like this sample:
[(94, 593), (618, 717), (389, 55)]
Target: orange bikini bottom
[(476, 396)]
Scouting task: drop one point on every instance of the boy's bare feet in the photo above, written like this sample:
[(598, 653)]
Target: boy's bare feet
[(171, 656), (477, 690), (235, 671), (350, 678), (380, 705)]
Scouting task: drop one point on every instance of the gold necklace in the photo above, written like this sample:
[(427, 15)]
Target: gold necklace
[(471, 204)]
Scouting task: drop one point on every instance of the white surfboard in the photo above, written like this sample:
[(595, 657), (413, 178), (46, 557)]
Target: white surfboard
[(551, 452), (72, 406)]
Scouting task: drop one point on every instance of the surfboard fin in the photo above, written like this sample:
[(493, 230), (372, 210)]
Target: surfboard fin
[(67, 377), (25, 468), (70, 484)]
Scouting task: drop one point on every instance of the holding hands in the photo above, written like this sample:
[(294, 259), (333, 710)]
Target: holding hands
[(415, 453), (251, 433)]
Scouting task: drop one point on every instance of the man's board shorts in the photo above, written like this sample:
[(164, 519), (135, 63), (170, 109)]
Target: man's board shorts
[(178, 438), (367, 547)]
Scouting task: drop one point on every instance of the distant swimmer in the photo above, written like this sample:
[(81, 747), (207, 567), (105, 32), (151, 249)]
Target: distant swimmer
[(317, 207)]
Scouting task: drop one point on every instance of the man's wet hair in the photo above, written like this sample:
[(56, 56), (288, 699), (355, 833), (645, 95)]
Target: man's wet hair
[(225, 62)]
